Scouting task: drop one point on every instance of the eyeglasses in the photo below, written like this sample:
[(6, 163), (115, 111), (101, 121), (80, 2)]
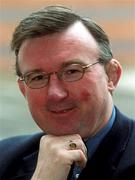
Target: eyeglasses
[(70, 73)]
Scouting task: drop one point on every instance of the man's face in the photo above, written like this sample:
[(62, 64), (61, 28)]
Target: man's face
[(61, 108)]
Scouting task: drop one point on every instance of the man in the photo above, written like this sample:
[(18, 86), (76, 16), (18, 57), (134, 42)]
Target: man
[(67, 73)]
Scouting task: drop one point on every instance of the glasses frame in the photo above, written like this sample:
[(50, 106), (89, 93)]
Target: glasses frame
[(58, 73)]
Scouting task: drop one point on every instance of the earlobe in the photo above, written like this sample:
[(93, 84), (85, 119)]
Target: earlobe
[(113, 70), (21, 87)]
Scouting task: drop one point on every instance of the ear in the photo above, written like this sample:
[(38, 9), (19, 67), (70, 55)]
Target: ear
[(113, 70), (21, 87)]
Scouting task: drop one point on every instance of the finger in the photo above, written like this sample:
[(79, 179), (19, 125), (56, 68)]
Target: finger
[(83, 148), (78, 145), (78, 157), (83, 160)]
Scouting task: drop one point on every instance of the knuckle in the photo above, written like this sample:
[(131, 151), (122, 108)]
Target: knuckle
[(42, 138), (45, 141), (78, 136)]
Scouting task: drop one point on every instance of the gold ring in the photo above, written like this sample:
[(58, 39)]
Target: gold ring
[(72, 145)]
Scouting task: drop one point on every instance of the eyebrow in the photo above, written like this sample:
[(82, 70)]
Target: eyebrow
[(33, 71), (74, 61), (64, 64)]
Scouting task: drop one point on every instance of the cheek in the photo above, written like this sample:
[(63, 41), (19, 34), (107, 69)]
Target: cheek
[(89, 94), (84, 91), (84, 95), (35, 99)]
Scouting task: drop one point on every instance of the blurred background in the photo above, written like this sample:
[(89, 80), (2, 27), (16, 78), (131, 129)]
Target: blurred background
[(116, 17)]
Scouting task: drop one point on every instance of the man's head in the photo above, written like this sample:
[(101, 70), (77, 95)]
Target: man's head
[(50, 61)]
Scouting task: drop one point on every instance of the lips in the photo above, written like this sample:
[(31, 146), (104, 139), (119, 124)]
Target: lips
[(61, 108), (61, 111)]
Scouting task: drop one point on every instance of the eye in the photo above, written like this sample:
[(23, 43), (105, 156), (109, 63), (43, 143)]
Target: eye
[(72, 70), (36, 78)]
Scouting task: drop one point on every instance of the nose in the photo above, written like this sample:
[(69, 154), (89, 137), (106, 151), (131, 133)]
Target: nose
[(56, 89)]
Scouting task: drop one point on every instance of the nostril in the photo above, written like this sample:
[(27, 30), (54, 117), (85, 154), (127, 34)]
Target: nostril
[(56, 90)]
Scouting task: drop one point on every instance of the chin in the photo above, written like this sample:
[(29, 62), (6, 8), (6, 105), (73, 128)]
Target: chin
[(60, 133)]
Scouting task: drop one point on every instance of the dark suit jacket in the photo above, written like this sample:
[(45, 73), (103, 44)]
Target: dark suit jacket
[(113, 160)]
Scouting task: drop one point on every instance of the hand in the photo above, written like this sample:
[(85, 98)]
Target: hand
[(56, 157)]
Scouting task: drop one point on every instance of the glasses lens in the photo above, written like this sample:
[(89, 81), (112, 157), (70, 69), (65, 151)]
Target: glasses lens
[(72, 72), (36, 80)]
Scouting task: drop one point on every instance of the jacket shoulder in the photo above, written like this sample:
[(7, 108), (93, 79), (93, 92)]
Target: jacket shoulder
[(14, 148), (126, 166), (13, 144)]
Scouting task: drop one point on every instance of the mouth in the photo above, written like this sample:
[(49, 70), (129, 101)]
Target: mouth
[(62, 111)]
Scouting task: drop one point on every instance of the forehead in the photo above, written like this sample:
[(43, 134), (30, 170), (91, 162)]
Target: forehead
[(76, 33), (74, 41)]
